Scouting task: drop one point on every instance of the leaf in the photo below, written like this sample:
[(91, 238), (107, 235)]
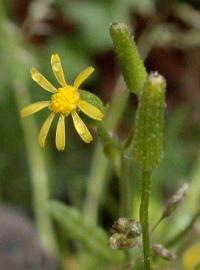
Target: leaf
[(91, 237)]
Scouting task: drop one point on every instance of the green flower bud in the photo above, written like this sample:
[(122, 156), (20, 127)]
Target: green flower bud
[(149, 123), (132, 66)]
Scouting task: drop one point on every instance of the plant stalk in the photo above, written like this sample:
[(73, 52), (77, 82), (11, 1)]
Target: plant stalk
[(144, 216), (125, 188)]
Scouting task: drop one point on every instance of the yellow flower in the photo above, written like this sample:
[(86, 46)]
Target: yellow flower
[(191, 257), (64, 101)]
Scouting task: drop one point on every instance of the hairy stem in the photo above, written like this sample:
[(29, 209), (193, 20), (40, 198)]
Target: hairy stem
[(144, 217), (125, 188)]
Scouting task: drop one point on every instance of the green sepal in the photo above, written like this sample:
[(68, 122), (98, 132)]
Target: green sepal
[(149, 123), (93, 100)]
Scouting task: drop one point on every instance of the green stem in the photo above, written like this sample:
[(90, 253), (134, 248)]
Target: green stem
[(112, 148), (157, 223), (100, 168), (125, 188), (144, 217)]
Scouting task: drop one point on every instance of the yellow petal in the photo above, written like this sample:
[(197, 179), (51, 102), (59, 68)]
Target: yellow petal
[(45, 129), (57, 69), (81, 128), (34, 107), (42, 81), (90, 110), (191, 257), (83, 76), (60, 133)]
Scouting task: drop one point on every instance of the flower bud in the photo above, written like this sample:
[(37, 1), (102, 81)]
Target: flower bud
[(127, 226), (121, 225), (132, 66), (120, 241), (161, 251), (149, 123), (135, 229), (175, 200)]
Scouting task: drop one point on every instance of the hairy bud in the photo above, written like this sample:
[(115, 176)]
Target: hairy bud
[(161, 251), (127, 226), (176, 199), (132, 66), (149, 123), (120, 241)]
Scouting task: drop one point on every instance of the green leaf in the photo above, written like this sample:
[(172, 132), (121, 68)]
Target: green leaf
[(91, 237)]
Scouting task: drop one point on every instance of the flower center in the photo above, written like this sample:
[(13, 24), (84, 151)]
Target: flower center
[(65, 100)]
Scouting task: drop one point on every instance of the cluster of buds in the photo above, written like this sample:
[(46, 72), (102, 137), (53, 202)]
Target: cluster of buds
[(125, 231)]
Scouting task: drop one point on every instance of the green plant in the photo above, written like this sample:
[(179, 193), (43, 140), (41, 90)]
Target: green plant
[(121, 177)]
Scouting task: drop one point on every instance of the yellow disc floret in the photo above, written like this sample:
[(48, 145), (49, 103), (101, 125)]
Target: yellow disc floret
[(65, 100)]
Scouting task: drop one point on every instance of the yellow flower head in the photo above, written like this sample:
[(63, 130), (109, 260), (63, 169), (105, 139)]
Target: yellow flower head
[(64, 101), (191, 257)]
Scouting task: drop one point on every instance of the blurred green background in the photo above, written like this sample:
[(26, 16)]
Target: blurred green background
[(168, 36)]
